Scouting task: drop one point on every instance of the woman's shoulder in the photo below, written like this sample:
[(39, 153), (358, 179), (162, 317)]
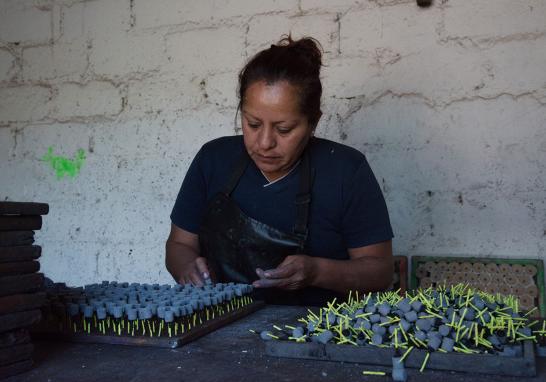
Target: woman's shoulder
[(337, 156), (223, 144)]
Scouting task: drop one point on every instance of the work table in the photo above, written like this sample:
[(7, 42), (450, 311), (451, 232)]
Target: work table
[(231, 353)]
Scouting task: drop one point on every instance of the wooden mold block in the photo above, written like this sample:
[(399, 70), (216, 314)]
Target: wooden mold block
[(14, 238), (15, 353), (19, 268), (521, 278), (22, 302), (20, 223), (475, 363), (20, 253), (15, 368), (10, 285), (17, 320), (23, 208), (15, 337), (142, 314)]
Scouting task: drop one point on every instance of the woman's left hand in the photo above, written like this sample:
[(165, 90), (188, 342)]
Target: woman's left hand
[(295, 272)]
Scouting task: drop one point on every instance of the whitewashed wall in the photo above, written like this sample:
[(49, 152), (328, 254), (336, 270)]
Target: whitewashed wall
[(448, 103)]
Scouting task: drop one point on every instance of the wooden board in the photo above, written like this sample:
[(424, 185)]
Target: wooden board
[(20, 253), (18, 320), (23, 208), (13, 238), (20, 223), (15, 353), (164, 342), (10, 285), (371, 355), (22, 302), (16, 337), (19, 268), (499, 276), (15, 368)]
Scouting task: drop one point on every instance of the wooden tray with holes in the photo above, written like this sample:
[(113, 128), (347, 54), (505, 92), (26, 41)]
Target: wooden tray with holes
[(522, 278)]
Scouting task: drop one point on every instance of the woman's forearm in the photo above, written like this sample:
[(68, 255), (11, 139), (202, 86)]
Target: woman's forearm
[(364, 274), (178, 255)]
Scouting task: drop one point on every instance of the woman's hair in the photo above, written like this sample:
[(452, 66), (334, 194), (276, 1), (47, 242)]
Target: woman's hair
[(297, 62)]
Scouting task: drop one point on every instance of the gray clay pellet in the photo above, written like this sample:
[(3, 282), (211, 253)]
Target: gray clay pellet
[(384, 309), (169, 316), (377, 329), (375, 318), (265, 335), (132, 314), (101, 313), (404, 305), (420, 335), (161, 311), (417, 305), (297, 332), (411, 316), (405, 325), (176, 310), (444, 330), (325, 336), (447, 344), (370, 308), (377, 339), (434, 343), (117, 311), (88, 311), (423, 324), (399, 372)]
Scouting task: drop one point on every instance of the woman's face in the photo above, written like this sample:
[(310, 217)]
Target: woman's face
[(274, 130)]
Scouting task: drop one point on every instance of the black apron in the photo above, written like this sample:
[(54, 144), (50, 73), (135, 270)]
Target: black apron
[(236, 244)]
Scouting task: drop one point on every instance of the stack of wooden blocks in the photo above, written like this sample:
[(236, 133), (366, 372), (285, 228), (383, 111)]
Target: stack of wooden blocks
[(21, 286)]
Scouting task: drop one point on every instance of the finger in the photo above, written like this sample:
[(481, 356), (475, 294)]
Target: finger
[(196, 279), (281, 272), (269, 283), (260, 272), (202, 267)]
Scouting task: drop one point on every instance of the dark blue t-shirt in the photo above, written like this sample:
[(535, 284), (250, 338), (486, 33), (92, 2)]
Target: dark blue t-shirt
[(347, 207)]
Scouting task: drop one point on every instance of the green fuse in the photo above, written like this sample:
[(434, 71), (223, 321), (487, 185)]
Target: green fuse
[(367, 372)]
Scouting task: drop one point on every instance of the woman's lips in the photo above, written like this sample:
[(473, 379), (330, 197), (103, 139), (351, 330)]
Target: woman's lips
[(267, 159)]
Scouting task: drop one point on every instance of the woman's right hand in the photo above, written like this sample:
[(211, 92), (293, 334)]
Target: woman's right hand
[(195, 272), (182, 258)]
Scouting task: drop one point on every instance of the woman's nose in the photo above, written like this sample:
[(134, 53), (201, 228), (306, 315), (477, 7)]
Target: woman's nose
[(266, 138)]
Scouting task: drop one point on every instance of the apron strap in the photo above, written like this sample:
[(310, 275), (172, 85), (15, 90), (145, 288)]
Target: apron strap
[(303, 200), (236, 174)]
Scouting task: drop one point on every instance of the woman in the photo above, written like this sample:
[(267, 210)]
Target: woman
[(301, 218)]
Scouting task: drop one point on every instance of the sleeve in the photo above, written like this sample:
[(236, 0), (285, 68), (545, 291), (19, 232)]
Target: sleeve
[(192, 198), (365, 216)]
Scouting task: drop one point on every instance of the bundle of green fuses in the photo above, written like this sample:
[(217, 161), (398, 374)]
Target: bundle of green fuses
[(446, 319)]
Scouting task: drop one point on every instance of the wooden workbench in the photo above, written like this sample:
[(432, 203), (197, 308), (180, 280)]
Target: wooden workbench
[(229, 354)]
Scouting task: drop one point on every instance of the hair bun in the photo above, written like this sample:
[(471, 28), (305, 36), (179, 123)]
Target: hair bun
[(307, 47)]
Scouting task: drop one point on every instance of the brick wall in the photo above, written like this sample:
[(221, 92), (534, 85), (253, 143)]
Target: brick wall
[(448, 103)]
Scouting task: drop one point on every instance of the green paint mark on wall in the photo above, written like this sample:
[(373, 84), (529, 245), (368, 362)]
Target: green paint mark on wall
[(64, 166)]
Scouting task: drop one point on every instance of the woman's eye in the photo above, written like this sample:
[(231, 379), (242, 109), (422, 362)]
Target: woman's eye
[(253, 125), (283, 131)]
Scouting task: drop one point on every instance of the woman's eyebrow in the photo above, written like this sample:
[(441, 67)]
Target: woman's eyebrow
[(247, 114)]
